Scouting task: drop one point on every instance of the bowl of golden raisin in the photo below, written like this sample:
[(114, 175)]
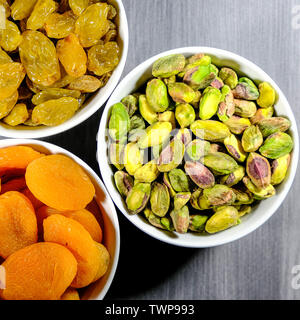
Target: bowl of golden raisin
[(59, 62), (59, 231)]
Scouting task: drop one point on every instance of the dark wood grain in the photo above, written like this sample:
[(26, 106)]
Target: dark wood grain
[(258, 266)]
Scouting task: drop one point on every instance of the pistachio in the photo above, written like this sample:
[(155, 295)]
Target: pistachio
[(279, 169), (179, 180), (234, 147), (147, 173), (209, 103), (220, 162), (181, 93), (237, 125), (155, 134), (124, 182), (242, 197), (170, 80), (197, 223), (116, 155), (147, 213), (146, 110), (277, 145), (200, 77), (185, 115), (218, 195), (267, 95), (137, 126), (252, 139), (138, 197), (160, 199), (133, 158), (215, 147), (131, 104), (262, 114), (196, 101), (244, 108), (194, 201), (157, 95), (229, 77), (181, 199), (259, 170), (246, 90), (171, 157), (199, 174), (210, 130), (154, 219), (167, 116), (119, 122), (184, 135), (167, 223), (181, 219), (259, 193), (226, 107), (234, 177), (223, 219), (244, 210), (195, 61), (168, 66), (217, 83), (273, 125), (167, 182), (197, 148)]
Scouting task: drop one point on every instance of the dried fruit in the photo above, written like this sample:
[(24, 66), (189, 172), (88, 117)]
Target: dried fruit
[(52, 94), (38, 55), (160, 199), (103, 58), (40, 13), (11, 76), (70, 294), (7, 104), (224, 218), (59, 26), (55, 112), (60, 183), (10, 36), (21, 9), (18, 115), (4, 57), (85, 84), (277, 145), (78, 6), (72, 56)]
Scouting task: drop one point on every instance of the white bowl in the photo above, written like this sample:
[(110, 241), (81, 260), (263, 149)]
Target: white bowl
[(94, 103), (111, 232), (262, 212)]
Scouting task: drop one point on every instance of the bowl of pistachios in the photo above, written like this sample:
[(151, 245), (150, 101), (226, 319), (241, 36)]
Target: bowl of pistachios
[(198, 147)]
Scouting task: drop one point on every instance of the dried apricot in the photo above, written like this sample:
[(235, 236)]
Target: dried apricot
[(84, 217), (73, 236), (19, 114), (55, 112), (70, 294), (7, 104), (92, 24), (103, 58), (104, 261), (42, 271), (60, 183), (35, 202), (11, 76), (18, 225), (17, 157), (59, 26), (10, 36), (38, 55), (78, 6), (72, 56), (21, 9), (86, 84), (54, 93), (40, 13), (16, 184)]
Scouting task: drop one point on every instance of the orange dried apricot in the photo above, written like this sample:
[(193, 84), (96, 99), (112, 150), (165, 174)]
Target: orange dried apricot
[(104, 258), (70, 294), (18, 225), (84, 217), (16, 184), (60, 183), (35, 202), (42, 271), (17, 157), (73, 236)]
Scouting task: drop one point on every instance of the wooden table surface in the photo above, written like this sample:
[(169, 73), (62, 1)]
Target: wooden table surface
[(258, 266)]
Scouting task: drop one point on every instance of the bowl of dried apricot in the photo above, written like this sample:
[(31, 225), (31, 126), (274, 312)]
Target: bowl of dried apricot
[(59, 63), (201, 147), (59, 231)]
